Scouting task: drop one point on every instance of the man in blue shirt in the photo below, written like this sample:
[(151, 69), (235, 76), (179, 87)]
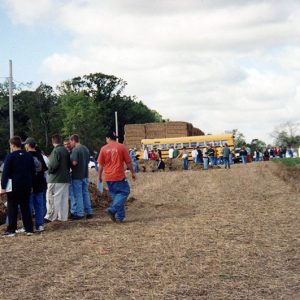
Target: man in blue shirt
[(19, 167)]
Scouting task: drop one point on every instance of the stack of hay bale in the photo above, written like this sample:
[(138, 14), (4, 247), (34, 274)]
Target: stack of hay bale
[(176, 129), (134, 133), (155, 130)]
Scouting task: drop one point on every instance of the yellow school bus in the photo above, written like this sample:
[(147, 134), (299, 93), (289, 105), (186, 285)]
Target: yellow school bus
[(189, 142)]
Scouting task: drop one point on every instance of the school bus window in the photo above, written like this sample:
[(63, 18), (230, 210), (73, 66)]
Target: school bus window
[(154, 147), (201, 144), (178, 146), (170, 145), (146, 146), (187, 145), (194, 144), (224, 142), (217, 143), (164, 147)]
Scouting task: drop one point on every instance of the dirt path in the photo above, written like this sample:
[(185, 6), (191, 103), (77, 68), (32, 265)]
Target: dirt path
[(217, 234)]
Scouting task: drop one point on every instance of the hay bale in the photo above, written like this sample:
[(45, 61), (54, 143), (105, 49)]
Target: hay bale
[(173, 164), (196, 167), (147, 165)]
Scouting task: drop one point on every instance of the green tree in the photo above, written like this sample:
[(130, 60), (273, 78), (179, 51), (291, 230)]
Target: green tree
[(80, 116), (239, 138), (4, 119), (257, 144), (287, 134), (36, 114), (106, 91)]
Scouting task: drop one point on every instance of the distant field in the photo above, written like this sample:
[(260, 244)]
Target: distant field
[(290, 162)]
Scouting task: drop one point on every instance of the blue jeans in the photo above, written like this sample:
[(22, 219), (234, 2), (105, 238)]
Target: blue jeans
[(205, 163), (81, 197), (185, 164), (36, 201), (244, 159), (45, 202), (73, 205), (119, 191), (212, 160), (226, 162)]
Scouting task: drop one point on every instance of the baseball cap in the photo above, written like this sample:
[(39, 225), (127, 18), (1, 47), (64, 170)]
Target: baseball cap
[(30, 141)]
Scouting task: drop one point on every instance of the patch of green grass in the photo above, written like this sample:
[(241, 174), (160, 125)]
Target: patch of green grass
[(289, 162)]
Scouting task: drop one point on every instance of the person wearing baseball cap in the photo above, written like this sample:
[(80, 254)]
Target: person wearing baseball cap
[(36, 200)]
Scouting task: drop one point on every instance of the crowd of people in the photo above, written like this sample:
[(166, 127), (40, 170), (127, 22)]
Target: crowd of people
[(45, 186), (208, 156), (214, 156), (57, 187)]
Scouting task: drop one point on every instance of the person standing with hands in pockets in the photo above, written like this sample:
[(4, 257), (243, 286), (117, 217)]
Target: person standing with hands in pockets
[(111, 161)]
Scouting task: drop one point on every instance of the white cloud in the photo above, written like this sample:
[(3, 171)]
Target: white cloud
[(28, 12), (218, 64)]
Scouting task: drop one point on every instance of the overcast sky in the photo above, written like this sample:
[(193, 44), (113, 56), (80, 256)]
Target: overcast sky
[(219, 64)]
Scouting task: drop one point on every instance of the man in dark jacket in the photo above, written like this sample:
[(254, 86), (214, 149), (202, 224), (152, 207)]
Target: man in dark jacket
[(18, 170), (58, 182), (39, 184)]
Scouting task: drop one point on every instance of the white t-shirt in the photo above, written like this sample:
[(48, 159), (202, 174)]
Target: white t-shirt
[(171, 151), (146, 154), (194, 153)]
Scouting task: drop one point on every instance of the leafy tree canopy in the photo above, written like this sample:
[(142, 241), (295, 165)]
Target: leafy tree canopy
[(84, 105)]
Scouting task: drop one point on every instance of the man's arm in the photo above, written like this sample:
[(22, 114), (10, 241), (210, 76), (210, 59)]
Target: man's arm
[(74, 158), (129, 166), (5, 174), (53, 162), (100, 172)]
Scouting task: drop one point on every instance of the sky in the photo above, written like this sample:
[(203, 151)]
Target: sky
[(219, 64)]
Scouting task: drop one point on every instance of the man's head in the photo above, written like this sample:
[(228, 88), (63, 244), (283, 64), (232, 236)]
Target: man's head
[(74, 140), (56, 139), (110, 136), (15, 143), (67, 144), (30, 144)]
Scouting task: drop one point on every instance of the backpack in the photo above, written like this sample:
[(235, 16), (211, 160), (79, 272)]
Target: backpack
[(37, 164)]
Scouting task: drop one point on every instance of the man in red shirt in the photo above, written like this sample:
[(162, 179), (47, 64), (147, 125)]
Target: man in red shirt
[(111, 160)]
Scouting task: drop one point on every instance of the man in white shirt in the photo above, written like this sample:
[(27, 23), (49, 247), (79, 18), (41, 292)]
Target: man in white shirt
[(171, 151), (146, 154), (194, 155)]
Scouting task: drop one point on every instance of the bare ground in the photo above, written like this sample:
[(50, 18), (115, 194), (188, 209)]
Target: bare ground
[(213, 234)]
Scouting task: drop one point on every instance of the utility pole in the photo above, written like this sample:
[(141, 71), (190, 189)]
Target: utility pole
[(117, 128), (11, 107)]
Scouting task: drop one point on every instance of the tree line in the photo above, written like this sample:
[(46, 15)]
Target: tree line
[(84, 105)]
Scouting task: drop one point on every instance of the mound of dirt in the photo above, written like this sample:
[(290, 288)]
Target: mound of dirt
[(170, 165), (98, 199), (151, 166), (2, 209), (291, 175)]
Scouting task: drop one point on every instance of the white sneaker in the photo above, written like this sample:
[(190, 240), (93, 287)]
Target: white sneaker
[(21, 230), (40, 229), (29, 233), (8, 234)]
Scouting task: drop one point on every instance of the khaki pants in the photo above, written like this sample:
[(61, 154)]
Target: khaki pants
[(57, 201)]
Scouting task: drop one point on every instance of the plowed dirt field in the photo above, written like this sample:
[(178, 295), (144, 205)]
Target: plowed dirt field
[(216, 234)]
